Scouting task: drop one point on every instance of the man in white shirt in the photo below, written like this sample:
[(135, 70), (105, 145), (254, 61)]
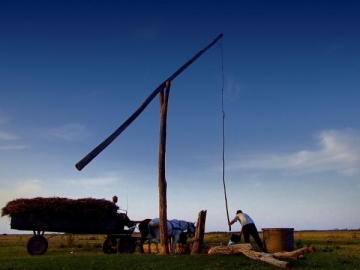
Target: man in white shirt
[(247, 228)]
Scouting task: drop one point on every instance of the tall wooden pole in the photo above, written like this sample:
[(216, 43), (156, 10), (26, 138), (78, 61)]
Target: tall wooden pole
[(164, 97), (162, 145)]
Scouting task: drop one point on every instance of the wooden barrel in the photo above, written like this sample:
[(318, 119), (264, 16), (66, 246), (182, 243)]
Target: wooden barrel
[(278, 239)]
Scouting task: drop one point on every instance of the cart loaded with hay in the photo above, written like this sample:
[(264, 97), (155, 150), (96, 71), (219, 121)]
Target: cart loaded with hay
[(77, 216)]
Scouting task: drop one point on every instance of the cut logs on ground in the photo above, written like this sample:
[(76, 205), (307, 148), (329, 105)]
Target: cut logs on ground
[(271, 258)]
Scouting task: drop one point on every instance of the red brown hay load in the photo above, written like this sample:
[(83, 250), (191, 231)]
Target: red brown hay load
[(55, 207)]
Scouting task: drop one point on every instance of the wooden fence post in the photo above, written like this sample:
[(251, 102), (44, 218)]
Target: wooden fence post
[(199, 234)]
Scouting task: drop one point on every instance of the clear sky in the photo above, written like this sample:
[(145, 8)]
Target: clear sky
[(71, 72)]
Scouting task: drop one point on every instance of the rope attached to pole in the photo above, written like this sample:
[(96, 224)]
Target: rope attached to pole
[(223, 131)]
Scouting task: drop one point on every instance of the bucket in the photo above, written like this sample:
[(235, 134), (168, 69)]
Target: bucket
[(278, 239)]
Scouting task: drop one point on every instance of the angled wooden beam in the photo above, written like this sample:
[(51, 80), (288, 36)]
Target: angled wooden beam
[(97, 150)]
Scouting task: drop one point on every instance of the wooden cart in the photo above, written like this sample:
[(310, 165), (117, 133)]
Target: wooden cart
[(117, 238)]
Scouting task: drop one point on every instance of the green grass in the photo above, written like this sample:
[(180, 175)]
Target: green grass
[(334, 250)]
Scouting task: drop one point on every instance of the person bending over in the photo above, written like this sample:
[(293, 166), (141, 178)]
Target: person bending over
[(247, 228)]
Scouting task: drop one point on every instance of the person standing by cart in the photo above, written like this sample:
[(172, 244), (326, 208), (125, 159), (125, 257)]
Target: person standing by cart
[(114, 199), (247, 228), (121, 218)]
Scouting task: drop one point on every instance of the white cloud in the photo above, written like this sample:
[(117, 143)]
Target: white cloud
[(14, 147), (27, 189), (69, 132), (101, 181), (4, 136), (7, 139), (339, 150)]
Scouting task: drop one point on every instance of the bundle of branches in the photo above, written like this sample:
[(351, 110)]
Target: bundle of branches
[(84, 209)]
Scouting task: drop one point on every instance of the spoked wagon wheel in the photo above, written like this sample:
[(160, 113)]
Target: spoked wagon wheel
[(108, 247), (126, 245), (37, 245)]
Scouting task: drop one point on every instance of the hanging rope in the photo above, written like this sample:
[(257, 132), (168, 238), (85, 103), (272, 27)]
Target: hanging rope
[(223, 130)]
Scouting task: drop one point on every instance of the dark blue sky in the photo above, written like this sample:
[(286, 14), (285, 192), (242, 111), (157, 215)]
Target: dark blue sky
[(71, 72)]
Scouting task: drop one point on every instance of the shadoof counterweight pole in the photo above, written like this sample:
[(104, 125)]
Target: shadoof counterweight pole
[(97, 150)]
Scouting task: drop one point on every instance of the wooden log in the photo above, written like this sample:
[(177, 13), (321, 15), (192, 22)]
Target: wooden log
[(248, 251), (199, 233), (271, 258), (265, 257), (232, 249), (293, 254)]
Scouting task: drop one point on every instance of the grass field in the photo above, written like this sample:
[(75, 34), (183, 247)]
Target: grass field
[(334, 250)]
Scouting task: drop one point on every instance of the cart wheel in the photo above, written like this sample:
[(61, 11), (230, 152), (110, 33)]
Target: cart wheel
[(126, 245), (108, 247), (37, 245)]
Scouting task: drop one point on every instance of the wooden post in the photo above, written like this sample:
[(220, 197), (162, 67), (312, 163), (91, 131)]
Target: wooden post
[(162, 179), (199, 234)]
